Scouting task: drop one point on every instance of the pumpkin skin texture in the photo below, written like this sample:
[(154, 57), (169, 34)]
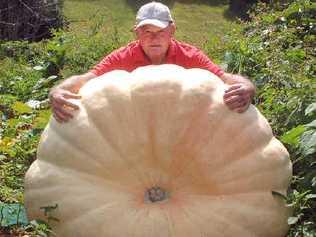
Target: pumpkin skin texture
[(157, 153)]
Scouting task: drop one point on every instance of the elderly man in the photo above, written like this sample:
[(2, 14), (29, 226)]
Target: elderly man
[(154, 45)]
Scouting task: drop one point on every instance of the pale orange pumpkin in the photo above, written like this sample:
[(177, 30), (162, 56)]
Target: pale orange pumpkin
[(157, 153)]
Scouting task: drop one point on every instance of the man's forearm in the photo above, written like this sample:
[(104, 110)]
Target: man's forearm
[(74, 83)]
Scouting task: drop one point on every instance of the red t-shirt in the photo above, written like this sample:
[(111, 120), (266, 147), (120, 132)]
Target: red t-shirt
[(132, 56)]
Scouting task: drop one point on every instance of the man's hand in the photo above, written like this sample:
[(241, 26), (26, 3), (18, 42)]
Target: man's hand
[(60, 104), (59, 96), (240, 92), (238, 97)]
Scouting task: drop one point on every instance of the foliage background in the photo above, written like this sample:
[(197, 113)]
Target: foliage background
[(278, 53), (276, 49)]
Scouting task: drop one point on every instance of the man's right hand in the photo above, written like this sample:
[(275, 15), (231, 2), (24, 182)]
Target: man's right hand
[(60, 104), (59, 96)]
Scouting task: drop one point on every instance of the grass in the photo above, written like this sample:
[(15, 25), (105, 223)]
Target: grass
[(198, 22), (84, 16)]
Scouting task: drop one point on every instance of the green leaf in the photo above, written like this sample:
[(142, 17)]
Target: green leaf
[(311, 124), (42, 119), (278, 194), (308, 142), (6, 145), (296, 55), (52, 78), (13, 122), (292, 220), (12, 214), (21, 108), (292, 137), (38, 68), (310, 109), (311, 196), (7, 99)]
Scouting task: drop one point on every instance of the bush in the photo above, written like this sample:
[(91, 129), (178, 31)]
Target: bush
[(277, 53)]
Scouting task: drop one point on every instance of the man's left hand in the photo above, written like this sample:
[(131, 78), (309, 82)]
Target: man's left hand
[(240, 92), (238, 97)]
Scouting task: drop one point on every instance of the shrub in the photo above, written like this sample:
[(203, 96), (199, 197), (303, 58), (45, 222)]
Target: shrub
[(277, 53)]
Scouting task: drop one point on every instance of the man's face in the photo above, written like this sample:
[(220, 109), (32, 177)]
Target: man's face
[(155, 41)]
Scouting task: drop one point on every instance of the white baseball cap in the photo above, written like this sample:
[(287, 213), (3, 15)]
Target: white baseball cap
[(153, 13)]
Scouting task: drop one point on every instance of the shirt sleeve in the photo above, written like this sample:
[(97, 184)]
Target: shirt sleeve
[(108, 63), (200, 60)]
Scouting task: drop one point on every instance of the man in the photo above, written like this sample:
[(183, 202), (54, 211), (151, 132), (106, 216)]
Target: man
[(154, 45)]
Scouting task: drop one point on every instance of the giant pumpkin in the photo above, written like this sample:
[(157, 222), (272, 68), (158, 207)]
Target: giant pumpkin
[(157, 153)]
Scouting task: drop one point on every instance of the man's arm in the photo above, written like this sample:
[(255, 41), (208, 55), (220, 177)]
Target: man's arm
[(68, 89), (240, 92)]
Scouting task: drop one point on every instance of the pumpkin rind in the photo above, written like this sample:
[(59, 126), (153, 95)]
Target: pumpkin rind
[(160, 126)]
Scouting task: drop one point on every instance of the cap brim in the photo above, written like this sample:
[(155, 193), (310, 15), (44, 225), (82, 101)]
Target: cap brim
[(155, 22)]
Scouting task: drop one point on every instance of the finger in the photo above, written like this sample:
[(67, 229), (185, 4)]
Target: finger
[(64, 111), (70, 95), (238, 91), (233, 87), (71, 105), (55, 103), (233, 99), (61, 102), (59, 117)]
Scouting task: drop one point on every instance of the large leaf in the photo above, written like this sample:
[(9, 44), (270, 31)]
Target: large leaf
[(310, 109), (21, 108), (308, 142), (292, 137), (311, 124)]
